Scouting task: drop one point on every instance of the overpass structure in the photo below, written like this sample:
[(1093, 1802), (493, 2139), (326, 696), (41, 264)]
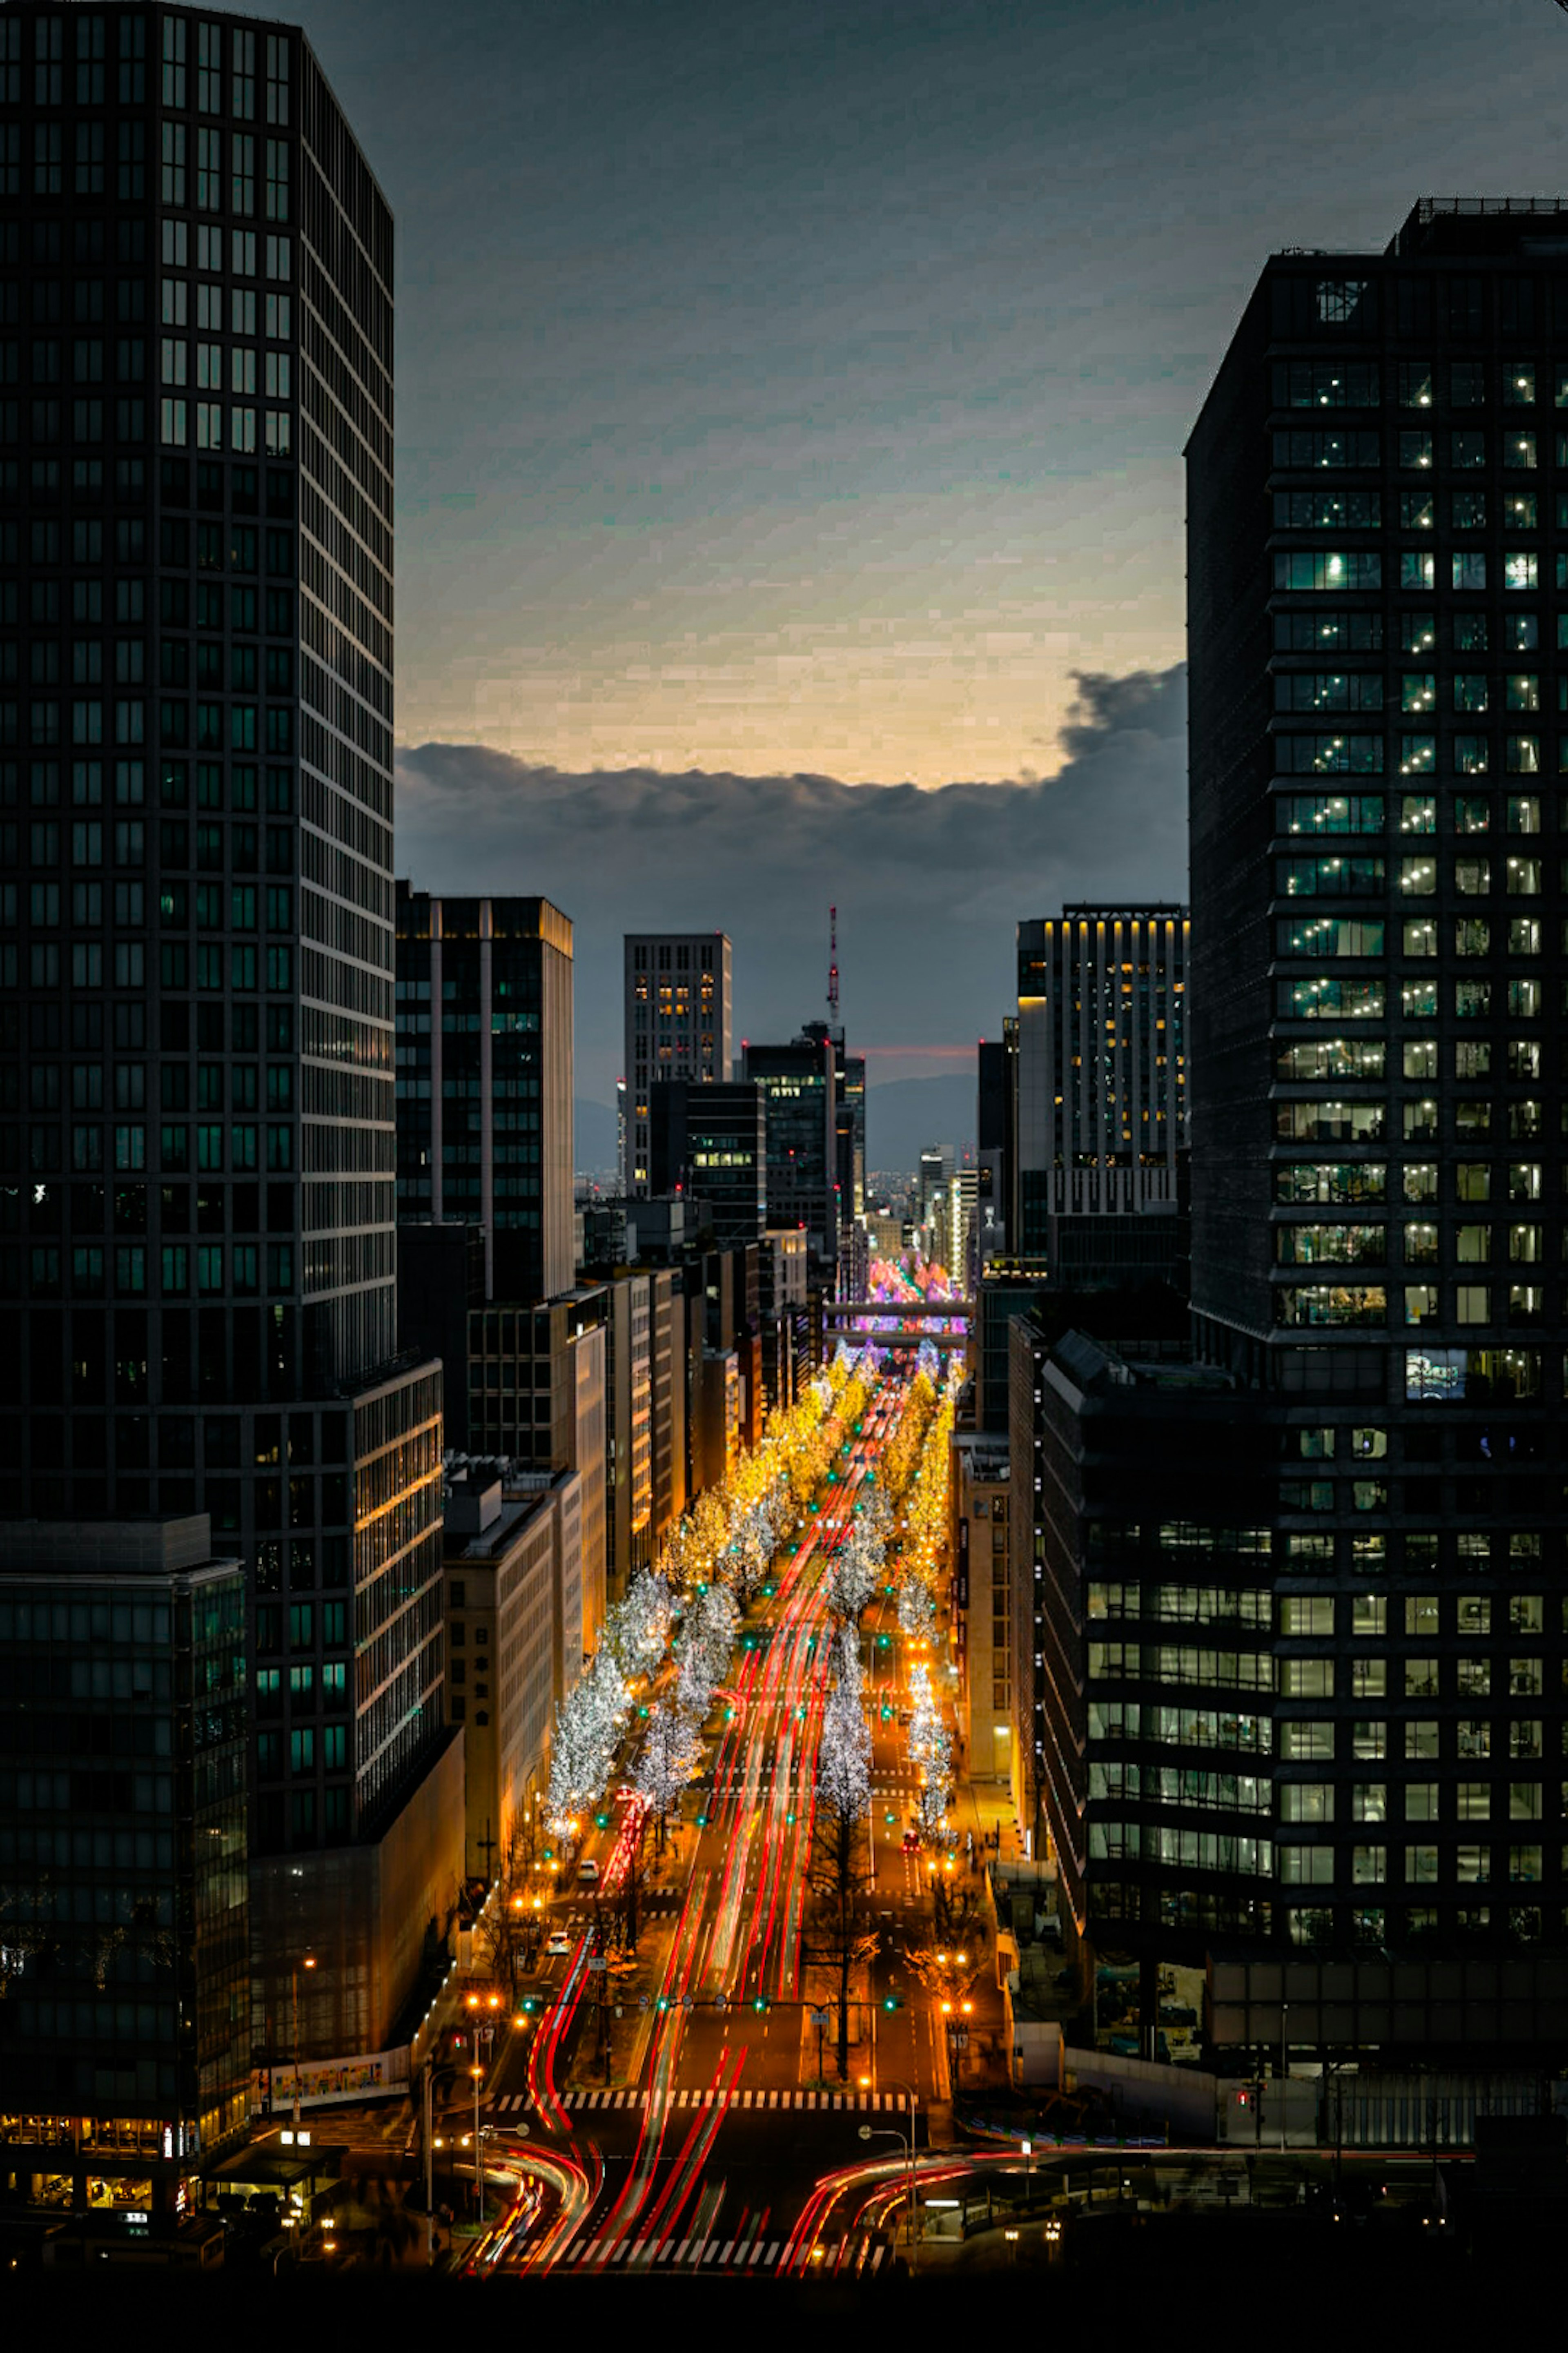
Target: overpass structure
[(887, 1322)]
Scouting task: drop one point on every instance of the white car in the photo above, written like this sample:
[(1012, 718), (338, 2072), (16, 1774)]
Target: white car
[(557, 1944)]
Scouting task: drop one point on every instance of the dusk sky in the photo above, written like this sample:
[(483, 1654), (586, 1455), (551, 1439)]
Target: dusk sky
[(792, 399)]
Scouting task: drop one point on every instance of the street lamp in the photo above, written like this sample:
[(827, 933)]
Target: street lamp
[(308, 1962), (913, 2098), (478, 2072)]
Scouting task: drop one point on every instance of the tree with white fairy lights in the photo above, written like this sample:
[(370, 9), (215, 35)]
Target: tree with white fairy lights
[(636, 1630), (931, 1754), (841, 1941), (854, 1577), (671, 1757), (587, 1727)]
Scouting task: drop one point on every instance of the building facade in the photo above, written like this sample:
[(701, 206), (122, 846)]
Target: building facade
[(1375, 639), (799, 1082), (1101, 1068), (196, 1125), (513, 1559), (677, 1026), (484, 1081), (710, 1141), (983, 1604), (122, 1854)]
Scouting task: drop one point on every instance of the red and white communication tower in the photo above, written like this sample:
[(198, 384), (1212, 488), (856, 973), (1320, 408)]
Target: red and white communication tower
[(833, 931)]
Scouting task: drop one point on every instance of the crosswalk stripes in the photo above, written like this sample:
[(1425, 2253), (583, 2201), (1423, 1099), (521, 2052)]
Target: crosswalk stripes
[(510, 2103), (692, 2253)]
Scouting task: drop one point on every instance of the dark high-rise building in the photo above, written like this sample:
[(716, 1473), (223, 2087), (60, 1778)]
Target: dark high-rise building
[(996, 1138), (1101, 1091), (196, 1137), (1376, 1620), (122, 1854), (800, 1085), (711, 1143), (484, 1085), (677, 1026), (849, 1124)]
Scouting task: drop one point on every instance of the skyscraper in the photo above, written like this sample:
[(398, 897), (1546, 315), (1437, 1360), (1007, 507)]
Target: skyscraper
[(710, 1142), (678, 1017), (484, 1085), (1376, 522), (196, 977), (800, 1087), (1353, 1496), (1102, 1090)]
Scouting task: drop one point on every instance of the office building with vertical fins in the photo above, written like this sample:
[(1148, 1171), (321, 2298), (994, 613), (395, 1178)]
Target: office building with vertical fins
[(677, 1026), (197, 1265), (1102, 1092)]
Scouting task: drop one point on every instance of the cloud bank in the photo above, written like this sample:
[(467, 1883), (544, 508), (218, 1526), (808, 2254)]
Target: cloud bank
[(928, 884)]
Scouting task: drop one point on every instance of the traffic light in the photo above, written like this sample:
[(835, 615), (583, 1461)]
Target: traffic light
[(884, 1641), (891, 2001), (531, 2003), (643, 1712), (759, 2003), (603, 1822)]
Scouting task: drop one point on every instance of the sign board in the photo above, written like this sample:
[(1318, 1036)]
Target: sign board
[(596, 1962), (327, 2082)]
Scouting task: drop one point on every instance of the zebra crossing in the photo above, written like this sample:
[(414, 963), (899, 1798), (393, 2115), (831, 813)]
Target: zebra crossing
[(876, 2103), (651, 1900), (698, 2254)]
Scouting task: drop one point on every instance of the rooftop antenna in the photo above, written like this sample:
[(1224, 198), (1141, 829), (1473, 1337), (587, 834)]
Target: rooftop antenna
[(832, 941)]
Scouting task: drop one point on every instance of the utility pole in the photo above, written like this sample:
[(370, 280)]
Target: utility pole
[(429, 2158)]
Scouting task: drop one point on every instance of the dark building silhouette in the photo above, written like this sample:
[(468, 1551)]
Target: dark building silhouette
[(1297, 1650), (710, 1141), (197, 1265)]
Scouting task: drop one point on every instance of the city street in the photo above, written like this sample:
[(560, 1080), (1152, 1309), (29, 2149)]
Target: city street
[(700, 2094)]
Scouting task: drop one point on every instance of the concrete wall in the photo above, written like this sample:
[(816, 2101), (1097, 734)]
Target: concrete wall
[(367, 1907), (1152, 2097)]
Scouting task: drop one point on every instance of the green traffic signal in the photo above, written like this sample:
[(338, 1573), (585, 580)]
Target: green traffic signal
[(643, 1712), (602, 1820), (891, 2001)]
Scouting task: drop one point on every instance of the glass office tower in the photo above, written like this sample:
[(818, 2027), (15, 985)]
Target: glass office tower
[(1378, 566), (196, 1128)]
